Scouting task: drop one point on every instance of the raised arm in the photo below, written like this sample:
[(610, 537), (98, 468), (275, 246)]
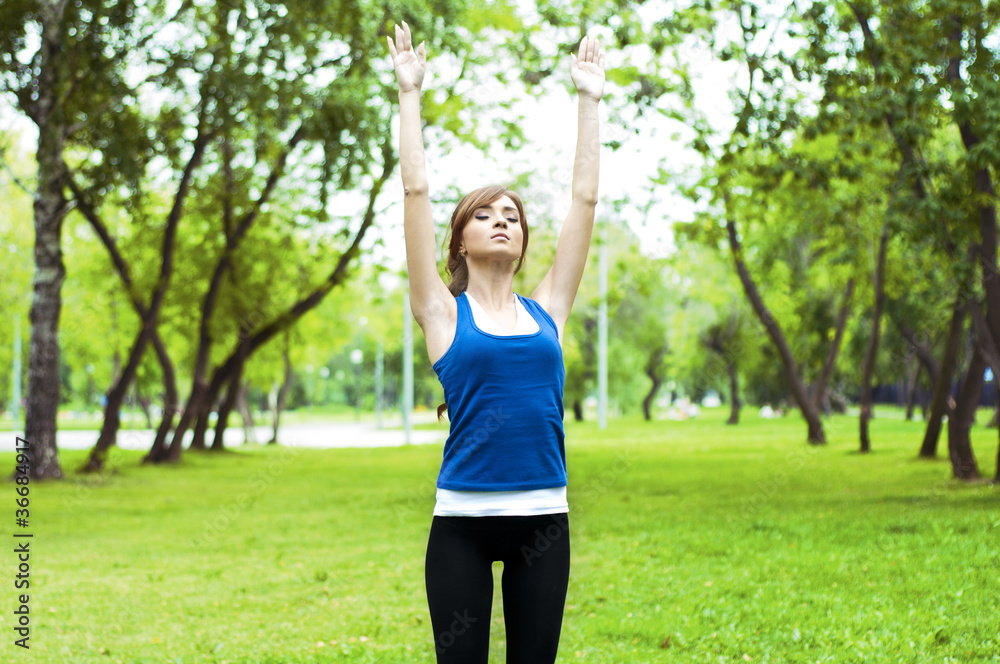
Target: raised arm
[(558, 289), (432, 303)]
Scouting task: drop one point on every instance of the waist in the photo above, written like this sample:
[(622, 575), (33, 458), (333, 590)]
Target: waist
[(501, 503)]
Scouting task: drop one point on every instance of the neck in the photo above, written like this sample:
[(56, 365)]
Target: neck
[(492, 285)]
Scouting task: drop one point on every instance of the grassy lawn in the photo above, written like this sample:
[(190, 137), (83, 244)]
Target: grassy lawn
[(692, 542)]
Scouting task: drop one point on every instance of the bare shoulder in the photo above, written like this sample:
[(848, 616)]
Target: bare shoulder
[(543, 299)]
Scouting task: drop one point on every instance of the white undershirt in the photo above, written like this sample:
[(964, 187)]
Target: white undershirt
[(525, 323), (501, 503)]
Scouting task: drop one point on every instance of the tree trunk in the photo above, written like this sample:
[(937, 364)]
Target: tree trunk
[(226, 407), (279, 402), (963, 463), (818, 388), (197, 405), (116, 368), (717, 339), (941, 403), (653, 371), (798, 389), (144, 403), (209, 403), (50, 207), (872, 352), (577, 410), (245, 413), (647, 402), (912, 376), (734, 393), (171, 403), (232, 392), (172, 453), (112, 411)]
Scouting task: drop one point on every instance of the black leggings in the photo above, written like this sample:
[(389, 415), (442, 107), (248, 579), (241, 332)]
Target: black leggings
[(459, 574)]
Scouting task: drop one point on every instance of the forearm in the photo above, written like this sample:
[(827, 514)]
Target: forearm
[(411, 144), (418, 224), (586, 165)]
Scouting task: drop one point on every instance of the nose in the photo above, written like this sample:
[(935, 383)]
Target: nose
[(502, 221)]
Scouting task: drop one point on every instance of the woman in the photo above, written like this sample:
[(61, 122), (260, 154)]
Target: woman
[(502, 487)]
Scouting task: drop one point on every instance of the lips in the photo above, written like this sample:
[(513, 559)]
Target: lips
[(503, 235)]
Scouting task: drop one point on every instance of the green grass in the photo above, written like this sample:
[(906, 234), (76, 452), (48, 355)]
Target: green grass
[(692, 542)]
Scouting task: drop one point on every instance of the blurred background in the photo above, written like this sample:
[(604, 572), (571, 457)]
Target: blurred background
[(200, 219)]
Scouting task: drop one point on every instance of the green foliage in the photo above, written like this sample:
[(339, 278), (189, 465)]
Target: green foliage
[(292, 105), (639, 302), (845, 120), (16, 239), (845, 117)]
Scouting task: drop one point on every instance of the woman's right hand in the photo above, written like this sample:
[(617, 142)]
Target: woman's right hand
[(409, 64)]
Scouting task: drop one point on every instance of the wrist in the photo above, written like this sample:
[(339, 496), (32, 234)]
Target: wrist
[(410, 94), (587, 100)]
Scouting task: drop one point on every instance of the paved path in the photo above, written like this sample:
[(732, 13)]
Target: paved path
[(334, 434)]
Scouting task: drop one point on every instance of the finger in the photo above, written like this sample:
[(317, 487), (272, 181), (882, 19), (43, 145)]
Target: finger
[(595, 49), (399, 38), (407, 38), (583, 50), (392, 48), (422, 53)]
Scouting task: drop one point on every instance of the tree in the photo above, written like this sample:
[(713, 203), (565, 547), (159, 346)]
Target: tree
[(219, 99), (711, 328), (638, 313), (906, 92), (40, 86)]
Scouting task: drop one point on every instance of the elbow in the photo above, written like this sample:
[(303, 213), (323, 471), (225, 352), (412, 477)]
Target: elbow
[(586, 198), (415, 189)]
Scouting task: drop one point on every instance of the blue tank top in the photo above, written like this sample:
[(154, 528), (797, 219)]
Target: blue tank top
[(505, 403)]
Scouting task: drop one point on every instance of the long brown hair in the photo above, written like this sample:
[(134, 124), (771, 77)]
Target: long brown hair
[(472, 201), (457, 267)]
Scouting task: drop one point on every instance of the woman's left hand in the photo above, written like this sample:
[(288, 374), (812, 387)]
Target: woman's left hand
[(587, 69)]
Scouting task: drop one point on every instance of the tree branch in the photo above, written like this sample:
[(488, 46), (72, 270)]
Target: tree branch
[(90, 214)]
